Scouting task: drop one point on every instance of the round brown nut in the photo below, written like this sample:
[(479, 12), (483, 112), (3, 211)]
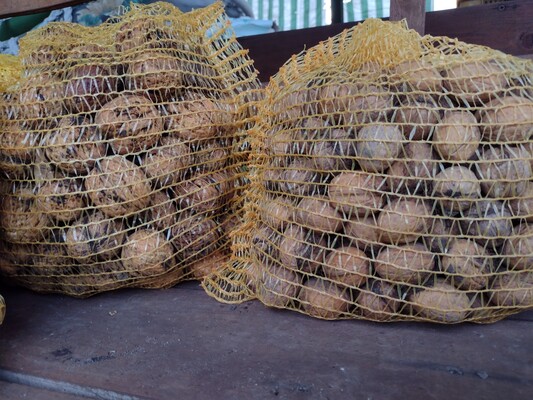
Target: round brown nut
[(194, 236), (513, 290), (410, 263), (157, 72), (417, 116), (210, 155), (352, 103), (468, 263), (131, 123), (161, 215), (504, 171), (195, 118), (147, 252), (489, 223), (522, 206), (317, 214), (299, 178), (379, 301), (40, 98), (95, 237), (118, 187), (457, 188), (61, 200), (277, 286), (413, 172), (17, 145), (403, 220), (440, 233), (347, 265), (20, 220), (208, 265), (205, 193), (334, 151), (474, 81), (74, 145), (167, 163), (507, 119), (356, 193), (364, 233), (322, 299), (378, 146), (441, 303), (457, 136), (276, 212), (301, 250), (140, 34), (89, 86), (519, 249), (418, 75), (292, 105), (265, 243)]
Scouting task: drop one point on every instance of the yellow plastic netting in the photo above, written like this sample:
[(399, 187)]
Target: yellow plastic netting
[(121, 151), (391, 179)]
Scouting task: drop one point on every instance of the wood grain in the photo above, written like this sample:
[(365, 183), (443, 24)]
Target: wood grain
[(414, 11)]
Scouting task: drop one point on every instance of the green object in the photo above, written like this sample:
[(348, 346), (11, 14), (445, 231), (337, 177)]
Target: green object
[(16, 26)]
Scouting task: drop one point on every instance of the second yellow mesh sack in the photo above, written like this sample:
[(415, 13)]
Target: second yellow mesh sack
[(391, 179)]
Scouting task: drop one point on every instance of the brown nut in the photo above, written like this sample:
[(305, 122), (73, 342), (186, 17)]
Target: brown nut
[(440, 233), (403, 220), (417, 116), (301, 250), (323, 299), (89, 86), (40, 98), (522, 206), (131, 123), (504, 171), (519, 249), (347, 265), (489, 223), (468, 263), (457, 188), (379, 301), (20, 220), (74, 145), (161, 215), (157, 72), (299, 178), (205, 193), (210, 155), (356, 193), (17, 145), (195, 236), (474, 81), (410, 263), (293, 104), (265, 244), (118, 187), (276, 212), (457, 136), (378, 146), (61, 200), (147, 252), (364, 233), (441, 303), (196, 118), (317, 214), (507, 119), (208, 265), (412, 173), (417, 75), (140, 34), (167, 163), (95, 237), (513, 290), (277, 286), (334, 151)]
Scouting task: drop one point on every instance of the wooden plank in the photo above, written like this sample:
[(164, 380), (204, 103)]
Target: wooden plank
[(11, 8), (414, 11), (180, 343), (507, 28)]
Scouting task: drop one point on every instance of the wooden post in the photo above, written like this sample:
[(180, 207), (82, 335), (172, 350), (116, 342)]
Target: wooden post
[(337, 16), (414, 11)]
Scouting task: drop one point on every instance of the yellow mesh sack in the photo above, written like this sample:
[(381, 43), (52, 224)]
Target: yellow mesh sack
[(391, 179), (122, 151)]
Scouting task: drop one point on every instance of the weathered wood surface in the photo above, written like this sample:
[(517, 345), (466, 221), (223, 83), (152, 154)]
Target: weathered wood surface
[(180, 343), (414, 11)]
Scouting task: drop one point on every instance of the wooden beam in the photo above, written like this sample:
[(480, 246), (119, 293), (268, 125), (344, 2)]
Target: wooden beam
[(414, 11), (11, 8)]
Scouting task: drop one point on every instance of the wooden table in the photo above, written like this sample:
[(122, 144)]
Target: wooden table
[(181, 344)]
